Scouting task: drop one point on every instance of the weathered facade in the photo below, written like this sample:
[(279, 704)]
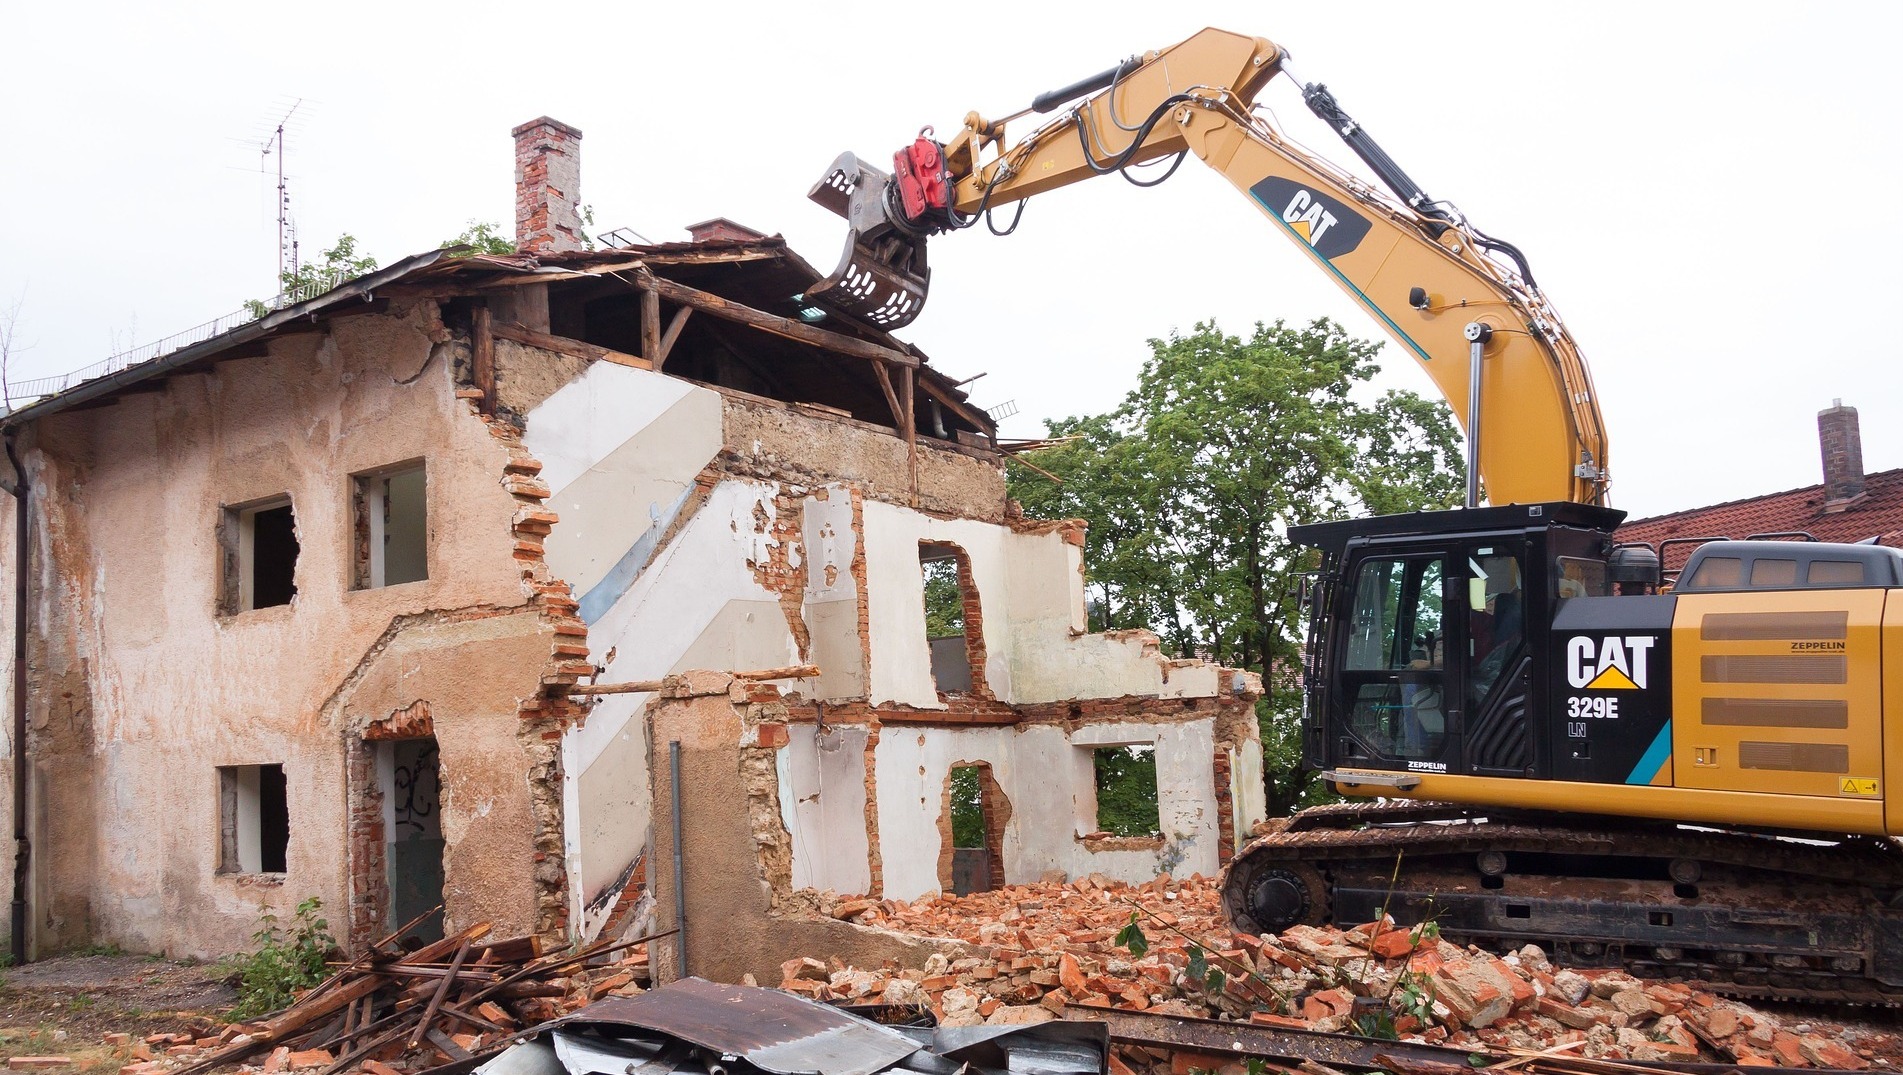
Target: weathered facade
[(314, 606)]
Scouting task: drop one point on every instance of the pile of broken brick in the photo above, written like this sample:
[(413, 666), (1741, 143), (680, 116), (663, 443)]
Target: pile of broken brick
[(1053, 950)]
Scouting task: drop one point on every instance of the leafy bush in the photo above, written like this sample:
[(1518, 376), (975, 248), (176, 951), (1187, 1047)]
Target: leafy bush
[(287, 959)]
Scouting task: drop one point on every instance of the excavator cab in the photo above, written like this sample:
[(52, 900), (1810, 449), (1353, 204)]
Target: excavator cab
[(1428, 643)]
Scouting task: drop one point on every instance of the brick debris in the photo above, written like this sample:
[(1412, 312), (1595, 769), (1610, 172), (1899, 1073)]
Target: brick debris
[(1047, 950)]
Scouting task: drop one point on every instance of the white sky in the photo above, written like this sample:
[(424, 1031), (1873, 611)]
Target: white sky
[(1709, 191)]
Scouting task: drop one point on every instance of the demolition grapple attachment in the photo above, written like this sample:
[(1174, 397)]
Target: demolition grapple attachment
[(882, 276)]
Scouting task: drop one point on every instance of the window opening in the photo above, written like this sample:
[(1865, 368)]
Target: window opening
[(1126, 790), (254, 819), (971, 830), (260, 545), (968, 807), (953, 626), (391, 510)]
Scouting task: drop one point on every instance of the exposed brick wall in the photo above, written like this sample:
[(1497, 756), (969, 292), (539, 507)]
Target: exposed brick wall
[(545, 717), (369, 884), (1225, 807), (548, 187)]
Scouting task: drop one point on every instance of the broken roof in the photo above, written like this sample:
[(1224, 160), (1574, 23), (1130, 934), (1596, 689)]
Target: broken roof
[(594, 299)]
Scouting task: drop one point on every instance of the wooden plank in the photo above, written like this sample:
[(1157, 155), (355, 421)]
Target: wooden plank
[(562, 345), (766, 322), (673, 333), (891, 397), (651, 327), (442, 992), (304, 1013), (447, 1045), (483, 360)]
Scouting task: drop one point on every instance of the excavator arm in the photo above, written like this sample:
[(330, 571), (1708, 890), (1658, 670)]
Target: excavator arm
[(1461, 302)]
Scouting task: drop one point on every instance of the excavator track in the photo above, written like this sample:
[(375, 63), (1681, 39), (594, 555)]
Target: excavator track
[(1752, 915)]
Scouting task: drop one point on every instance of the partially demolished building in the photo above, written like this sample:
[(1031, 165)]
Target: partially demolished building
[(403, 594)]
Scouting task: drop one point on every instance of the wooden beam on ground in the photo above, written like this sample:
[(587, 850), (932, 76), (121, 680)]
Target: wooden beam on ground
[(766, 322), (482, 365), (648, 686), (442, 993), (562, 345)]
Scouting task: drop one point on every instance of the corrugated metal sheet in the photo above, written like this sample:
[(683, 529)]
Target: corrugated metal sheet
[(773, 1031)]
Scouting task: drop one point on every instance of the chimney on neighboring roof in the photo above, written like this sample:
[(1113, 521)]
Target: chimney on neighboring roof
[(547, 187), (721, 228), (1843, 455)]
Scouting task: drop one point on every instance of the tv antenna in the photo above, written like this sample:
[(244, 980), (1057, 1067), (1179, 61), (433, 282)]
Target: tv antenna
[(287, 231)]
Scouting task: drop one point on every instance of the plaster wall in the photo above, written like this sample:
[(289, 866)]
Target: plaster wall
[(620, 449), (142, 687), (901, 667), (822, 780), (699, 604), (830, 536), (742, 915), (1030, 587), (1047, 774)]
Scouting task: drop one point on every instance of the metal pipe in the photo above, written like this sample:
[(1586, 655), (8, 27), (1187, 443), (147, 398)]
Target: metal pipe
[(1477, 333), (680, 890), (22, 846)]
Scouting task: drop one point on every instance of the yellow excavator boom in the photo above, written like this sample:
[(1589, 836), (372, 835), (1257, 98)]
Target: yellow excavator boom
[(1437, 285)]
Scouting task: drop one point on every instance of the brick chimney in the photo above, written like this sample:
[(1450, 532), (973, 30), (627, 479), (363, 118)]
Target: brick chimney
[(547, 187), (721, 228), (1843, 455)]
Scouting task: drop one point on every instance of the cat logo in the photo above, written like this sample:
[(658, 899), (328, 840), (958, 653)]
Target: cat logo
[(1610, 663), (1326, 224), (1310, 218)]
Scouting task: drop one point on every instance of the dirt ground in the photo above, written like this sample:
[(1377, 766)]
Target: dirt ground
[(64, 1006)]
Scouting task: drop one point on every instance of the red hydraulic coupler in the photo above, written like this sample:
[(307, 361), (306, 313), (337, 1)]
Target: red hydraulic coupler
[(924, 182)]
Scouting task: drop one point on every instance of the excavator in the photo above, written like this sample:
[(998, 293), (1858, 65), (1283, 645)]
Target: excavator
[(1538, 737)]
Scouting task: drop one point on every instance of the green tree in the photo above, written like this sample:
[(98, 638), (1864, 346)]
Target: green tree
[(944, 601), (340, 263), (968, 807), (1126, 791), (1190, 484), (482, 237)]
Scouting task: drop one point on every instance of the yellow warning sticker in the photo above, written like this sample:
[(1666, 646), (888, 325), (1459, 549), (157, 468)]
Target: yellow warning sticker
[(1857, 786)]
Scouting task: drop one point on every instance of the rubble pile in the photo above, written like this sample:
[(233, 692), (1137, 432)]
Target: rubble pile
[(1049, 947)]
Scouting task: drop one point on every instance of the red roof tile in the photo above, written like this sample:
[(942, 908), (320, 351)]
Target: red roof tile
[(1878, 513)]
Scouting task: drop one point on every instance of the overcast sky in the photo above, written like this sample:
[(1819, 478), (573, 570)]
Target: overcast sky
[(1709, 192)]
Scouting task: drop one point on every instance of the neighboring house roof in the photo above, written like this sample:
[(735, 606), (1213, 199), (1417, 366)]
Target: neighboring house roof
[(1877, 513)]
